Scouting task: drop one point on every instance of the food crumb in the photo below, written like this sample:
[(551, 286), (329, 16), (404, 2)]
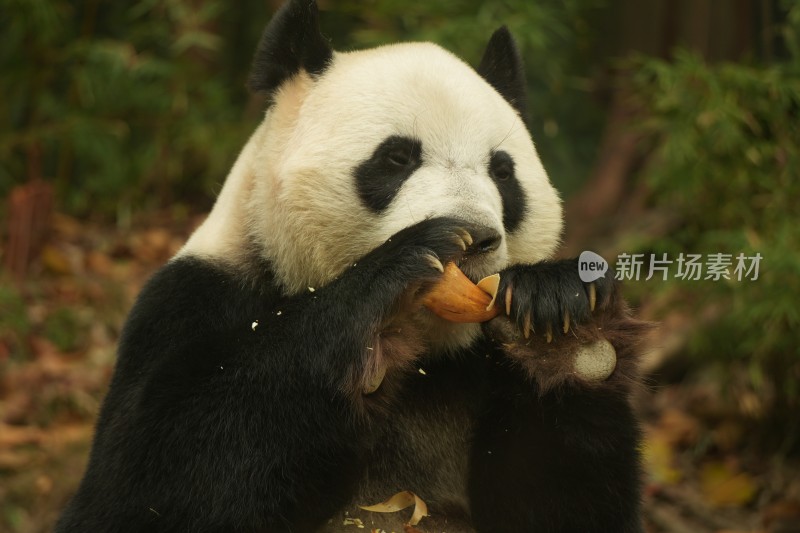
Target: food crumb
[(423, 372), (254, 325), (311, 289)]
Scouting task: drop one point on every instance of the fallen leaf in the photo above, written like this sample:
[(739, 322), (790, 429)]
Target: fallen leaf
[(723, 485), (12, 436), (151, 246), (14, 460), (44, 484), (659, 456), (401, 501), (99, 263), (55, 260)]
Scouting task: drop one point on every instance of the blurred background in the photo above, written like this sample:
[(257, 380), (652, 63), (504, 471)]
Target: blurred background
[(669, 126)]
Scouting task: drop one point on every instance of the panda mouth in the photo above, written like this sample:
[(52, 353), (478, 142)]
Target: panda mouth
[(481, 257)]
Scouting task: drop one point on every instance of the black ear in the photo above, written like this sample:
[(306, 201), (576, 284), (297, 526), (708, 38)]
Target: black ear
[(291, 42), (502, 67)]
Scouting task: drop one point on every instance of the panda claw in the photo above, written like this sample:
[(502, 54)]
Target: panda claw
[(467, 238), (592, 296), (434, 262), (526, 327), (508, 300), (549, 333), (566, 320), (461, 242)]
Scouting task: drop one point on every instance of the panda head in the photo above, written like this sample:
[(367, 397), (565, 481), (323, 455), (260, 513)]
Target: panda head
[(356, 146)]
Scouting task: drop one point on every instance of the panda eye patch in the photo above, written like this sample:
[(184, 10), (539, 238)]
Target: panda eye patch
[(502, 171), (379, 178)]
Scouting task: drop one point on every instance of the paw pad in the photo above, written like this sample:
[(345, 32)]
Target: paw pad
[(595, 361)]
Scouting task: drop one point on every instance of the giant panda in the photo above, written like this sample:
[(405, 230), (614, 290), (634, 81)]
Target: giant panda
[(279, 371)]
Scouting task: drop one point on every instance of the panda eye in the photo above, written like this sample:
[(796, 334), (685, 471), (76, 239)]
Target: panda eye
[(401, 153), (501, 166), (399, 157), (502, 173)]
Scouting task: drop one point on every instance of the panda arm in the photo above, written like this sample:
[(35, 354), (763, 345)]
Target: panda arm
[(220, 414), (557, 462), (553, 451), (234, 408)]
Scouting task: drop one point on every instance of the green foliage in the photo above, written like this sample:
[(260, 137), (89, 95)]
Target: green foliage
[(727, 141), (741, 123), (64, 329), (117, 101)]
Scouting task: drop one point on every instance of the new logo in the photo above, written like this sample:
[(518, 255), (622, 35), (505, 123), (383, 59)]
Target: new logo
[(591, 266)]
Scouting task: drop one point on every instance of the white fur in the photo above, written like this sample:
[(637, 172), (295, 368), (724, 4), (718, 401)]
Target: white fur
[(292, 189)]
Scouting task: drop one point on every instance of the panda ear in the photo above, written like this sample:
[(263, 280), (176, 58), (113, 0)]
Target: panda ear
[(501, 66), (292, 41)]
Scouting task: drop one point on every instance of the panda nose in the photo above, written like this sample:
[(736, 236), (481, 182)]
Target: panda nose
[(484, 240)]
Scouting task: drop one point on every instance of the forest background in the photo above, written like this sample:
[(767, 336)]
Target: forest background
[(671, 128)]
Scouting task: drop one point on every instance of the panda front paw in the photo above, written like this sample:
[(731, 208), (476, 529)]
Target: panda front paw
[(388, 282), (549, 298), (416, 255), (560, 330)]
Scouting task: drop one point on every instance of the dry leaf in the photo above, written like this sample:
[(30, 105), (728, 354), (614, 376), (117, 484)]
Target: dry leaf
[(12, 436), (14, 460), (99, 263), (55, 260), (659, 458), (353, 522), (401, 501), (723, 485)]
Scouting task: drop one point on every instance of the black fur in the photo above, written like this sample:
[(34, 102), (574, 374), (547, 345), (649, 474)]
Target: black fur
[(563, 462), (379, 178), (501, 169), (292, 41), (501, 66)]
